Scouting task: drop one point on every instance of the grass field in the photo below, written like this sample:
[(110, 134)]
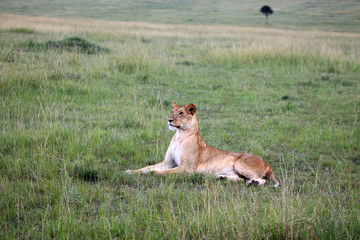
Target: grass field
[(74, 118), (328, 15)]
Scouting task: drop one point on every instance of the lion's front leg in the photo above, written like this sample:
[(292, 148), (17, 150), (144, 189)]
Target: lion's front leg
[(145, 170), (178, 169), (164, 165)]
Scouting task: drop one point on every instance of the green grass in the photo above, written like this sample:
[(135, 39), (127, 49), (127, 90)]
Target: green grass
[(22, 30), (71, 123), (328, 15)]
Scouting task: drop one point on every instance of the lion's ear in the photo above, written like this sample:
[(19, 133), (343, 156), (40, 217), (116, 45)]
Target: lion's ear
[(174, 105), (191, 108)]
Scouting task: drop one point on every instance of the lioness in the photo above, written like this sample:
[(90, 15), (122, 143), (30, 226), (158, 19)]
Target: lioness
[(189, 153)]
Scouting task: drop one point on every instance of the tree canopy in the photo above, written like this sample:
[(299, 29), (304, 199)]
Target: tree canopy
[(267, 11)]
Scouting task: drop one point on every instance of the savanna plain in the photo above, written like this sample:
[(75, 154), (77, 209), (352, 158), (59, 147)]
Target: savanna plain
[(83, 100)]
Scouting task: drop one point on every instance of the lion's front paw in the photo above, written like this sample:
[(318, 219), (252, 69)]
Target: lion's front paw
[(129, 172)]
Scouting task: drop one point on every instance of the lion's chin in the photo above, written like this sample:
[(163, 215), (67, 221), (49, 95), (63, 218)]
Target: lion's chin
[(172, 128)]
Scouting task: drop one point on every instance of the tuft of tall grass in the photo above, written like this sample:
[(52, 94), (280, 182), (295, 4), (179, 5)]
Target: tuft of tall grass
[(311, 59), (22, 30)]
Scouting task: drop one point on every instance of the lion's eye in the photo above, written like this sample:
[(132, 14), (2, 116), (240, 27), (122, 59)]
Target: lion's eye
[(180, 113)]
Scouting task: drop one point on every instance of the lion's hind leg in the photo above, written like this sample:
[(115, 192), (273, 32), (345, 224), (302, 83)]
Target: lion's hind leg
[(233, 178), (249, 169), (255, 181)]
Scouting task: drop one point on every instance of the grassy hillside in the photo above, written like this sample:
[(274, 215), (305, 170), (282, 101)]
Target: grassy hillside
[(329, 15), (76, 112)]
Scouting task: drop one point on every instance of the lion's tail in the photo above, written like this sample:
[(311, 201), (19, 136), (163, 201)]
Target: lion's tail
[(270, 175)]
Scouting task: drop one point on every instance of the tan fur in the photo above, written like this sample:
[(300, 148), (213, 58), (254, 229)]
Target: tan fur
[(189, 153)]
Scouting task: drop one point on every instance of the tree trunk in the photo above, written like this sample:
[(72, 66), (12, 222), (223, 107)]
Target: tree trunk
[(267, 16)]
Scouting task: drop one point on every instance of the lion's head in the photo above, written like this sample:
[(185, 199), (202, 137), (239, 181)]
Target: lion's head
[(181, 117)]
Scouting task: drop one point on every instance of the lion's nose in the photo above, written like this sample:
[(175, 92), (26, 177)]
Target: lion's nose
[(170, 120)]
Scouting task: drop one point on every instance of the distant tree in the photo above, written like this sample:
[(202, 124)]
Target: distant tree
[(267, 11)]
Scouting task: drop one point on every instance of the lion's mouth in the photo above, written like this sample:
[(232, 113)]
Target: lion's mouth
[(173, 125)]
